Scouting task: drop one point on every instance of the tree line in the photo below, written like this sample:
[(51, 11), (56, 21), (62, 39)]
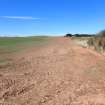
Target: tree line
[(79, 35)]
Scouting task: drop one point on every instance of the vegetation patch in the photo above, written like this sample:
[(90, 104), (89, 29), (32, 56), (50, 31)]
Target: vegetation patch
[(12, 45), (98, 42), (95, 41)]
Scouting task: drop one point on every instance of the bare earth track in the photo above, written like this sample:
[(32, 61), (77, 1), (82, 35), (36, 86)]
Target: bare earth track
[(61, 73)]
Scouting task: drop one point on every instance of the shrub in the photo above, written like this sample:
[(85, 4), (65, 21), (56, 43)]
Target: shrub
[(90, 42), (98, 41), (102, 33)]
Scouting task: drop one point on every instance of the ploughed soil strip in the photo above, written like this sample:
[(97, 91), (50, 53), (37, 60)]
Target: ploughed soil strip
[(61, 73)]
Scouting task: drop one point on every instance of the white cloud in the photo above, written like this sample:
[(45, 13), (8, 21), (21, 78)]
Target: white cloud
[(20, 17)]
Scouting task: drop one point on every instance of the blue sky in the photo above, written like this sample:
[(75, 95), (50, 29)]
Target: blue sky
[(51, 17)]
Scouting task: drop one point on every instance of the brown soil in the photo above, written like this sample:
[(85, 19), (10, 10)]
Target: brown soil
[(61, 73)]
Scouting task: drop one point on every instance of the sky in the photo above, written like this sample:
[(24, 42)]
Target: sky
[(51, 17)]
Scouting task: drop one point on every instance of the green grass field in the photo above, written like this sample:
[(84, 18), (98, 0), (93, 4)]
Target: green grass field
[(12, 45)]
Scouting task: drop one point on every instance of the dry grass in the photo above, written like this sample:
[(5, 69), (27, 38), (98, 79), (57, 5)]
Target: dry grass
[(98, 43)]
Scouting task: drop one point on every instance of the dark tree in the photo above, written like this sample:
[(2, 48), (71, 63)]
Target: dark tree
[(68, 35)]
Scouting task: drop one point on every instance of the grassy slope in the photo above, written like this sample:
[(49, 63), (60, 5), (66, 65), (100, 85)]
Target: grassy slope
[(11, 45)]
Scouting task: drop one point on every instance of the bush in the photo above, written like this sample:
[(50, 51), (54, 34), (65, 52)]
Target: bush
[(102, 33), (90, 42), (98, 41)]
